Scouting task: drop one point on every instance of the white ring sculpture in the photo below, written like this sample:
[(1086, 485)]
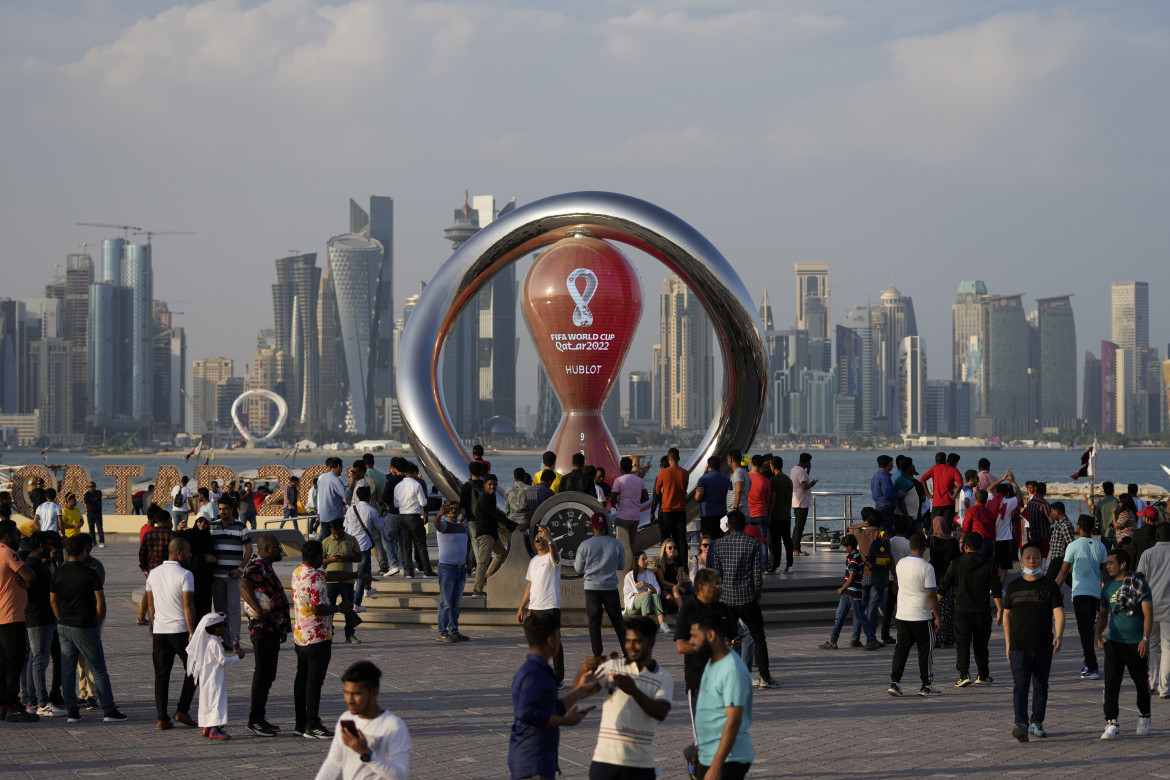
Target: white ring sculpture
[(281, 417)]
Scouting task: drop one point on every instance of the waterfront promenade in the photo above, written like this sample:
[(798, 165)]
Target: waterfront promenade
[(830, 718)]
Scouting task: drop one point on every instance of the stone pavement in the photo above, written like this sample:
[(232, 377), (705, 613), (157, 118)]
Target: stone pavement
[(830, 718)]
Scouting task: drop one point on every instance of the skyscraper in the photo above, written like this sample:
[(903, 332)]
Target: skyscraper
[(497, 328), (460, 352), (1058, 362), (355, 264), (13, 357), (812, 299), (641, 407), (1005, 399), (294, 304), (893, 322), (378, 224), (858, 321), (168, 367), (968, 314), (1109, 398), (912, 386), (120, 333), (686, 362), (330, 356), (1130, 315), (1091, 391), (206, 375)]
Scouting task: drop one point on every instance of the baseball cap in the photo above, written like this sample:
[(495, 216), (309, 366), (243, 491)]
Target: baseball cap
[(599, 521), (1148, 511), (754, 532)]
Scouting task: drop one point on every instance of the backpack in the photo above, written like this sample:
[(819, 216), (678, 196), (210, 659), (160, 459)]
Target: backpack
[(880, 555), (177, 499)]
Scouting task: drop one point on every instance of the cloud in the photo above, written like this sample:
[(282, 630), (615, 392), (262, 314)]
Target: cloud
[(943, 99), (665, 148)]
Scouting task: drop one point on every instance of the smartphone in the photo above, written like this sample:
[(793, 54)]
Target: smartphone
[(349, 726), (587, 710)]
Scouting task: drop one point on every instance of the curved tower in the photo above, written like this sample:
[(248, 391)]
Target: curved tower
[(355, 265)]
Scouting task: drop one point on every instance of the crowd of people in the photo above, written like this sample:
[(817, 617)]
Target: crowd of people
[(930, 560)]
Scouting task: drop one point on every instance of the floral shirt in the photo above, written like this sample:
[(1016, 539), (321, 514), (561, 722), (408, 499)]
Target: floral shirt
[(308, 586), (269, 594)]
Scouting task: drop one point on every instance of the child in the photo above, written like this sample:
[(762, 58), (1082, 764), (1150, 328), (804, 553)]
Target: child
[(452, 571), (71, 520), (850, 593), (206, 662)]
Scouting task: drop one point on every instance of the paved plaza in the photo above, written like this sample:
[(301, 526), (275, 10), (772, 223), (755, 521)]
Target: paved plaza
[(831, 717)]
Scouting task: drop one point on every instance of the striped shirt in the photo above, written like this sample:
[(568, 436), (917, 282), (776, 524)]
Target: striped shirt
[(626, 735), (228, 540)]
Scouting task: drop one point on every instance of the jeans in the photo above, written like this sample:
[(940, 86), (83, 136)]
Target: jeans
[(452, 578), (595, 602), (392, 542), (753, 618), (890, 609), (921, 634), (887, 513), (799, 518), (225, 592), (559, 658), (1086, 609), (290, 513), (166, 647), (972, 627), (603, 771), (487, 548), (87, 643), (673, 526), (781, 540), (179, 516), (13, 637), (40, 640), (413, 534), (873, 602), (1120, 658), (365, 567), (747, 648), (860, 621), (344, 591), (266, 646), (312, 664), (1032, 668), (96, 529)]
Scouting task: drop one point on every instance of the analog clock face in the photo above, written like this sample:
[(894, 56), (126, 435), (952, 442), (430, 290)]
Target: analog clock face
[(567, 517)]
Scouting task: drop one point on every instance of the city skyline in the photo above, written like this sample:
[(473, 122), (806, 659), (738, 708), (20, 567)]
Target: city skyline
[(967, 142)]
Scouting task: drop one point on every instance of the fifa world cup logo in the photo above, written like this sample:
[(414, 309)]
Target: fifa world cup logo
[(582, 304)]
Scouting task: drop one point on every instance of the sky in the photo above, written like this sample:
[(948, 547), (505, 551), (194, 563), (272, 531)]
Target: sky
[(912, 143)]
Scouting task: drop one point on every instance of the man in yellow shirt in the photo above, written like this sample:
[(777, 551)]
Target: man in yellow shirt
[(71, 519)]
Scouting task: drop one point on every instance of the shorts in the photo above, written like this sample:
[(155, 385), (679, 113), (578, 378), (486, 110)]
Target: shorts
[(1003, 554)]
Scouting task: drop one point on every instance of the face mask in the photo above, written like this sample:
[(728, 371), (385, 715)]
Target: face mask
[(1030, 572)]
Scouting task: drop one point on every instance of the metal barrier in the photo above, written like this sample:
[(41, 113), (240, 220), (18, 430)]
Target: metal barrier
[(280, 521), (846, 517)]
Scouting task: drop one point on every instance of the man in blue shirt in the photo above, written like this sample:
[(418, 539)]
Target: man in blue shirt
[(711, 494), (600, 559), (1084, 559), (331, 496), (885, 496), (724, 705), (538, 713)]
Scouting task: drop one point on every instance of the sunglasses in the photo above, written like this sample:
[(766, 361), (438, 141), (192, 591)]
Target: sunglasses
[(704, 545)]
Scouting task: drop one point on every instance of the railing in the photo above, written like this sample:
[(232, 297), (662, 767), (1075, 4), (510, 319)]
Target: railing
[(280, 521), (846, 517)]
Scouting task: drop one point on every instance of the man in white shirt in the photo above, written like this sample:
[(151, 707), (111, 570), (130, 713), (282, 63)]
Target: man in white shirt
[(543, 592), (369, 743), (1156, 567), (360, 522), (918, 618), (412, 517), (639, 698), (49, 513), (170, 602), (801, 498), (180, 501)]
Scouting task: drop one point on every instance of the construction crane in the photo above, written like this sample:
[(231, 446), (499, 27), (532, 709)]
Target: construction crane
[(151, 233), (124, 228)]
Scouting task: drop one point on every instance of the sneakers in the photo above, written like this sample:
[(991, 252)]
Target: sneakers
[(874, 645), (359, 608), (74, 716), (929, 690), (1143, 728), (663, 628), (19, 715), (894, 689), (1020, 732), (963, 681), (768, 683), (446, 638), (260, 730), (856, 643), (460, 636), (981, 680), (430, 574), (352, 640), (477, 594), (1037, 730), (51, 711), (216, 733), (1112, 730), (318, 732), (114, 716), (828, 646), (1095, 674), (102, 545), (371, 593), (91, 703), (270, 726), (393, 570)]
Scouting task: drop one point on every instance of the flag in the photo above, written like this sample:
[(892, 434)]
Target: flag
[(1087, 462), (195, 452)]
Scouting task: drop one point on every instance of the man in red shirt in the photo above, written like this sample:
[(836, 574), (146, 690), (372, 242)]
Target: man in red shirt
[(945, 482), (981, 520), (671, 484), (759, 495)]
